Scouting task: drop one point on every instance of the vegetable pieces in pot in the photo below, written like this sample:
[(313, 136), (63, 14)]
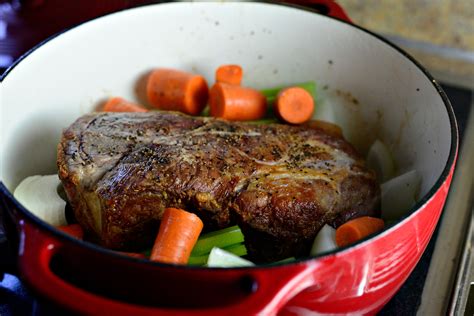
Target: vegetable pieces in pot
[(230, 74), (294, 105), (179, 231), (39, 194), (325, 240), (229, 239), (175, 90), (228, 100), (357, 229), (223, 238), (219, 258), (118, 104), (236, 103), (272, 93)]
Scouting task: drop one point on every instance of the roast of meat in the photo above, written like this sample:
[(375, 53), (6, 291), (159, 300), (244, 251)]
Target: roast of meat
[(279, 183)]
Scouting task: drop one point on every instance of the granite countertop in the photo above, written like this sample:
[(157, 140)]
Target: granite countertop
[(438, 33)]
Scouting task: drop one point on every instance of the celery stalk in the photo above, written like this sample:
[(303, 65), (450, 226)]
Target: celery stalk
[(198, 260), (221, 238), (206, 111), (263, 121), (238, 250)]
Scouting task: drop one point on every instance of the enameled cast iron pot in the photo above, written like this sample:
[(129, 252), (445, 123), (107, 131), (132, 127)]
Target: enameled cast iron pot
[(376, 90)]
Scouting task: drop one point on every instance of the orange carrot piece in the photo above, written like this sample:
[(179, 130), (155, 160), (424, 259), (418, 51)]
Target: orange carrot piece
[(329, 128), (357, 229), (236, 103), (294, 105), (74, 230), (231, 74), (175, 90), (179, 231), (117, 104)]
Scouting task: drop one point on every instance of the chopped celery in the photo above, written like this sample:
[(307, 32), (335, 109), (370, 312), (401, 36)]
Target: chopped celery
[(206, 111), (198, 260), (219, 258), (272, 93), (238, 250), (263, 121), (221, 238)]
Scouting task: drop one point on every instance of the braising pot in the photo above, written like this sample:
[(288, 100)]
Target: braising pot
[(376, 90)]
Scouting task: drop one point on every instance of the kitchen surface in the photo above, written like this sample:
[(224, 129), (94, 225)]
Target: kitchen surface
[(438, 33)]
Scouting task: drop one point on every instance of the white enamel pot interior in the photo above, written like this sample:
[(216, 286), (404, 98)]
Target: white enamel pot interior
[(376, 91)]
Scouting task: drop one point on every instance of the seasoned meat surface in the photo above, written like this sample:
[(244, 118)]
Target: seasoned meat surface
[(280, 183)]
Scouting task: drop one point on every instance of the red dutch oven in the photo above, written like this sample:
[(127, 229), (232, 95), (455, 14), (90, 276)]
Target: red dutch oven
[(375, 90)]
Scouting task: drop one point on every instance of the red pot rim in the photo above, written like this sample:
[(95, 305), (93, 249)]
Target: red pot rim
[(439, 182)]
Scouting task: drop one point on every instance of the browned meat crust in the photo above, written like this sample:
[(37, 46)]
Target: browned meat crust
[(280, 183)]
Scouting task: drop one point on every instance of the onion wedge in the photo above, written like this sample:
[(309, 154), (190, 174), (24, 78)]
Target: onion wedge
[(399, 195), (325, 240), (219, 258), (39, 195), (380, 160)]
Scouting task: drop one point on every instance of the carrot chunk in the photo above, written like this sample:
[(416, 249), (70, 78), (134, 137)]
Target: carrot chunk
[(117, 104), (357, 229), (175, 90), (74, 230), (236, 103), (294, 105), (231, 74), (179, 231)]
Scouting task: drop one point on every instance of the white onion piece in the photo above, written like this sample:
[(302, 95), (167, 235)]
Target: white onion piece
[(380, 160), (324, 241), (39, 195), (399, 195), (219, 258)]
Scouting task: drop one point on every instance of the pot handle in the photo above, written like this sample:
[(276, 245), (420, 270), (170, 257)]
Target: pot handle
[(326, 7), (271, 288)]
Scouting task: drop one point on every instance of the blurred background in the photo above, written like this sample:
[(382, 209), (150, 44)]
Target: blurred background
[(438, 33)]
